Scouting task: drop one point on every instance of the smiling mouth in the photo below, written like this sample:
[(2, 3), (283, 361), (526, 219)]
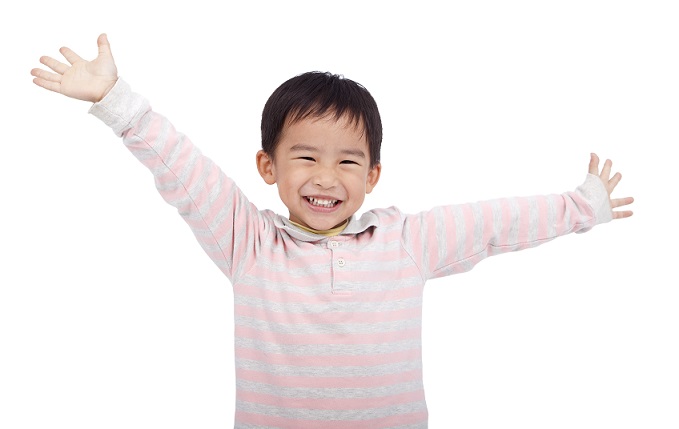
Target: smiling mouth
[(322, 202)]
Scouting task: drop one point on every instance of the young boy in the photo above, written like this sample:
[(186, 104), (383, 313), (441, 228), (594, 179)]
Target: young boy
[(327, 306)]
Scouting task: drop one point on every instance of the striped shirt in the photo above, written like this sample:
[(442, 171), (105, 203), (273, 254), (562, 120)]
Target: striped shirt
[(328, 329)]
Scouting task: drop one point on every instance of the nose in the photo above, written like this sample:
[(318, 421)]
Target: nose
[(324, 177)]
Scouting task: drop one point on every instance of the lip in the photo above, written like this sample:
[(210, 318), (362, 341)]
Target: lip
[(320, 209)]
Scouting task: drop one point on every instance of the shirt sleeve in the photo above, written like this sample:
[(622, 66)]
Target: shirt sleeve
[(453, 239), (228, 227)]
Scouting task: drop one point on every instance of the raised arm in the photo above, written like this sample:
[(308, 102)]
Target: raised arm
[(225, 223), (83, 80), (452, 239)]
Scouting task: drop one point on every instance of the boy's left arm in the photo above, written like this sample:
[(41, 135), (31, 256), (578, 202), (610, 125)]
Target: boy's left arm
[(452, 239)]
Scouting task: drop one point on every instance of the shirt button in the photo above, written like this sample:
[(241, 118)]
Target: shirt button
[(333, 243), (341, 262)]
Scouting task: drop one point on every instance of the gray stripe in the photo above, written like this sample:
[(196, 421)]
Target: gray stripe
[(331, 415), (327, 349), (496, 209), (329, 371), (513, 233), (355, 264), (551, 217), (330, 393), (422, 425), (477, 213), (321, 287), (533, 219), (331, 306), (328, 328), (442, 237), (460, 232)]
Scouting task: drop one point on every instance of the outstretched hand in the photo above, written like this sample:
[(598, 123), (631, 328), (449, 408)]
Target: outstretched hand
[(83, 80), (610, 183)]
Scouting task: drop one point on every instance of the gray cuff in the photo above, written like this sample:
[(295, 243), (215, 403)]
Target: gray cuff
[(594, 191), (121, 108)]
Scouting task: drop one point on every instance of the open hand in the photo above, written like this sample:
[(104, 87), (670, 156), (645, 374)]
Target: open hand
[(84, 80), (610, 183)]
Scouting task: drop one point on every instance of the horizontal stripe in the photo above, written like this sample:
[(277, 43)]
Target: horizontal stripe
[(325, 349), (330, 415), (328, 328), (316, 308), (329, 393), (328, 371), (313, 381)]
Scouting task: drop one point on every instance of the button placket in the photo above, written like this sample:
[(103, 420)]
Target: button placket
[(338, 262)]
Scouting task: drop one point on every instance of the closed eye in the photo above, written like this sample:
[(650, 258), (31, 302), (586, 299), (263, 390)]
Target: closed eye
[(348, 161), (306, 158)]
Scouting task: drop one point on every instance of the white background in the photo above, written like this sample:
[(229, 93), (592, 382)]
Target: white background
[(111, 315)]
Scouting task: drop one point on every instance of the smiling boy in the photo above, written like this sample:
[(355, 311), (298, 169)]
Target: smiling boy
[(328, 307), (322, 147)]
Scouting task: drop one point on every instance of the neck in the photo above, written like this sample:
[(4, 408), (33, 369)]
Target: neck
[(327, 232)]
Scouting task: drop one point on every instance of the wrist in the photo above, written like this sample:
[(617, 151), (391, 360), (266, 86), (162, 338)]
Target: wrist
[(106, 89)]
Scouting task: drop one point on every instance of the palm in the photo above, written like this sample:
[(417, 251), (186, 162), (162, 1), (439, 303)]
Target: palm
[(84, 80)]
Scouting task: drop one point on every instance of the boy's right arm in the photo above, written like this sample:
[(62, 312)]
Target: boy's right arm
[(226, 225)]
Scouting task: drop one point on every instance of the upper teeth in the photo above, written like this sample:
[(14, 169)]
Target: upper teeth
[(321, 202)]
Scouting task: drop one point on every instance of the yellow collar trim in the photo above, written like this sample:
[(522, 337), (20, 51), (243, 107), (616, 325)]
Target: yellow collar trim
[(328, 232)]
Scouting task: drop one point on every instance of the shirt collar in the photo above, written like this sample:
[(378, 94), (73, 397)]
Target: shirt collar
[(355, 226)]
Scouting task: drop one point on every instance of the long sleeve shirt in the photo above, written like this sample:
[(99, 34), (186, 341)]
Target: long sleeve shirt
[(328, 329)]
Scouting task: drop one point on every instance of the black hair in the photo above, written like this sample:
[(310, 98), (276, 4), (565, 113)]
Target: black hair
[(318, 94)]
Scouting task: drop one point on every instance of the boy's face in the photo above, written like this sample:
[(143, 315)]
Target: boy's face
[(322, 168)]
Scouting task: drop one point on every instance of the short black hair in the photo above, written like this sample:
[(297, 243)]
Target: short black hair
[(318, 94)]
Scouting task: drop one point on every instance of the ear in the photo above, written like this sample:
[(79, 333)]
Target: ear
[(373, 178), (265, 167)]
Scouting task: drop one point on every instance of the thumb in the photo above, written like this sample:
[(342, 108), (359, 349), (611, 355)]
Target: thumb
[(104, 45)]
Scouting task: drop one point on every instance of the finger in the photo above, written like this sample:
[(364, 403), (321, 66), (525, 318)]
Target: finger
[(52, 86), (614, 181), (623, 214), (619, 202), (45, 75), (55, 65), (104, 45), (70, 56), (594, 164), (606, 170)]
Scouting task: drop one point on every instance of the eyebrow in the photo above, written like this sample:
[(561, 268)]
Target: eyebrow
[(304, 147)]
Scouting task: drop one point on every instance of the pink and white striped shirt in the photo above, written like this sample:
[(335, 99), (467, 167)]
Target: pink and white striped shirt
[(328, 329)]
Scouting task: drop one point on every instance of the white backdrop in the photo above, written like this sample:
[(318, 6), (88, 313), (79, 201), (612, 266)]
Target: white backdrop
[(111, 315)]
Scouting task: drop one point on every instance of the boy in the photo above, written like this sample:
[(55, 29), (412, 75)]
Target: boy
[(327, 306)]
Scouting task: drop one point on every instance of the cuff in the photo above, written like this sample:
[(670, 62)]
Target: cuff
[(594, 191), (121, 108)]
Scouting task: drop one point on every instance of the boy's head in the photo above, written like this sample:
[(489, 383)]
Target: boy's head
[(321, 137), (316, 95)]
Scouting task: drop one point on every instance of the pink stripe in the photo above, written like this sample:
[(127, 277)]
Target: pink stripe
[(328, 317), (246, 289), (324, 382), (523, 222), (433, 241)]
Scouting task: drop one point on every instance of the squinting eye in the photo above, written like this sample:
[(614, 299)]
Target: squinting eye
[(307, 158), (346, 161)]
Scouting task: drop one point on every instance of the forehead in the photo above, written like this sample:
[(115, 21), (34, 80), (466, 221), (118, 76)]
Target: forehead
[(323, 132)]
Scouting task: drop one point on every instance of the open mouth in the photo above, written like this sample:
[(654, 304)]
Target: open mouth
[(321, 202)]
